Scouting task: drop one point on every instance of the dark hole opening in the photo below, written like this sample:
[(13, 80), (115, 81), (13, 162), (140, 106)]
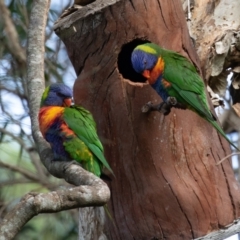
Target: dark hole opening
[(124, 61)]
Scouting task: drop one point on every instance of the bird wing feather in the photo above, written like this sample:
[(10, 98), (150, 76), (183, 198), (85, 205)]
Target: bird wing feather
[(82, 123), (181, 73)]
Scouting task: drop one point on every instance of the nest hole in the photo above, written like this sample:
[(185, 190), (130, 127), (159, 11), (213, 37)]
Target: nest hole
[(124, 61)]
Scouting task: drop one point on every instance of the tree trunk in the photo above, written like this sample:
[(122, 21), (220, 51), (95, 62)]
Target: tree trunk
[(166, 183)]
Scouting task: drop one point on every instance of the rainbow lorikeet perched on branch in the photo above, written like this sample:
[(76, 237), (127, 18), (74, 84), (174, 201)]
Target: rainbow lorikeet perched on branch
[(70, 130), (174, 77)]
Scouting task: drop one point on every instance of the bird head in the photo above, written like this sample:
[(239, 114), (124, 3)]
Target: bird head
[(57, 94), (146, 61)]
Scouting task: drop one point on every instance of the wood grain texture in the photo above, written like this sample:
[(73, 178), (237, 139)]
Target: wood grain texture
[(167, 185)]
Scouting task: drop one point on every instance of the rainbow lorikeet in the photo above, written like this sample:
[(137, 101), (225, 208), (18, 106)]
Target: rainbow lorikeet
[(70, 130), (173, 76)]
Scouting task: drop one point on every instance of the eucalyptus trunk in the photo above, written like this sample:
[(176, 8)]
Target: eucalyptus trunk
[(167, 183)]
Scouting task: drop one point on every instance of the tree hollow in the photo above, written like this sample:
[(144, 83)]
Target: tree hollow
[(167, 184)]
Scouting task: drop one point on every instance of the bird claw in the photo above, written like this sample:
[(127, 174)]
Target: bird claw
[(172, 101), (147, 107), (163, 107)]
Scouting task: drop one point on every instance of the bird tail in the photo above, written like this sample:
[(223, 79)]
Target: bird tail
[(92, 166), (219, 129), (107, 211)]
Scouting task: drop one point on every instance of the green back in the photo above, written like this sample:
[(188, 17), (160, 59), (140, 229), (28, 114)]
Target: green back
[(82, 123), (187, 85)]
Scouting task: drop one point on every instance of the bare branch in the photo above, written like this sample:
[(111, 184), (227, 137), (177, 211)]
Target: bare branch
[(230, 155), (15, 181), (35, 88), (40, 173), (25, 173), (228, 231), (11, 34), (22, 171), (95, 194), (15, 92), (17, 139)]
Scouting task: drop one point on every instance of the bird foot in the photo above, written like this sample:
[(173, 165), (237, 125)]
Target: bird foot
[(172, 101), (163, 107), (150, 107)]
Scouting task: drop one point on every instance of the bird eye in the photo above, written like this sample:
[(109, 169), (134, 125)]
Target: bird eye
[(145, 62), (60, 94)]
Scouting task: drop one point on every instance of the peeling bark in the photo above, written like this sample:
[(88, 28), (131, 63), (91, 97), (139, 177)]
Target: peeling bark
[(167, 183), (214, 26), (210, 20)]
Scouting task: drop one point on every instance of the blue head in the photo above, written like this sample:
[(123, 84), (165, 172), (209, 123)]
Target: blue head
[(142, 61), (57, 94), (146, 61)]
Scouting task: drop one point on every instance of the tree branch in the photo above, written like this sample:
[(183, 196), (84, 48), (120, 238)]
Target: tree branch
[(13, 91), (41, 176), (12, 37), (26, 174), (226, 232), (94, 192)]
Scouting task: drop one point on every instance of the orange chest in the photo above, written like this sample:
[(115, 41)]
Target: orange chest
[(47, 116), (156, 71)]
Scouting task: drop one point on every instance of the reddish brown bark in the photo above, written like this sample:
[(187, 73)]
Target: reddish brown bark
[(167, 183)]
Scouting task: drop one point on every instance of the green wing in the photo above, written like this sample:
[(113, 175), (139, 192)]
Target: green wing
[(83, 125), (187, 84), (181, 72)]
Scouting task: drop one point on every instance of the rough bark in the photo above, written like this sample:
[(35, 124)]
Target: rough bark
[(91, 223), (167, 183)]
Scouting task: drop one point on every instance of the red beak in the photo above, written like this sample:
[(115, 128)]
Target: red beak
[(67, 102), (146, 74)]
